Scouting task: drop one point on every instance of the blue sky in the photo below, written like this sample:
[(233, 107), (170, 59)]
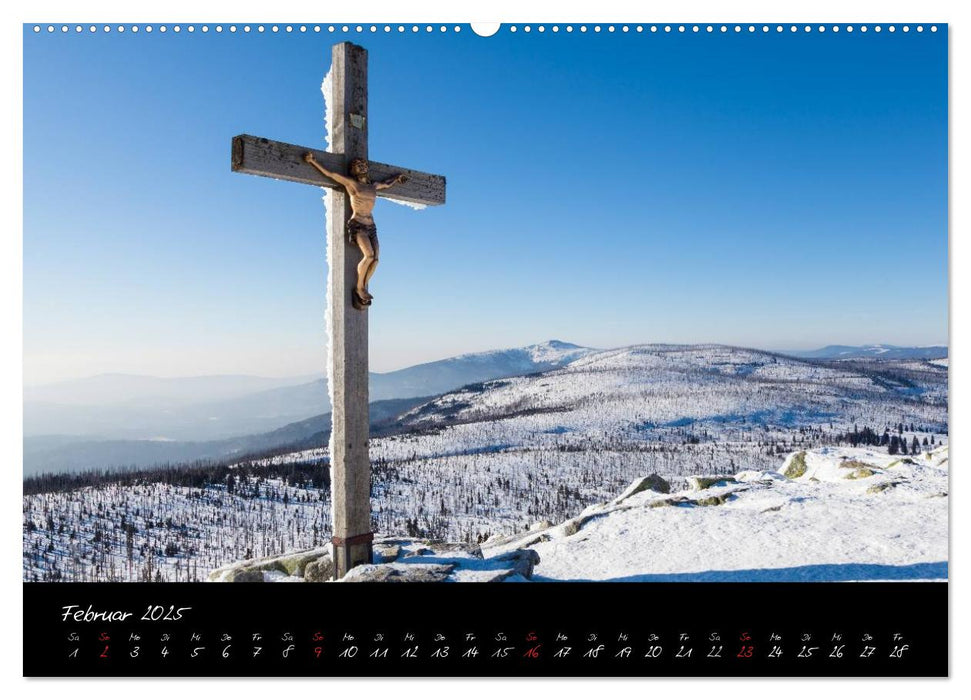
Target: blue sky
[(771, 190)]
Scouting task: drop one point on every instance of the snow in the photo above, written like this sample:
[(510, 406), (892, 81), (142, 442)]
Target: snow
[(821, 526), (495, 457)]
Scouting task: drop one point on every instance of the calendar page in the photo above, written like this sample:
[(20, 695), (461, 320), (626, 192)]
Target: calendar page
[(530, 350)]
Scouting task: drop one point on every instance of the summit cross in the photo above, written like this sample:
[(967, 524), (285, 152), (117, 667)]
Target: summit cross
[(348, 352)]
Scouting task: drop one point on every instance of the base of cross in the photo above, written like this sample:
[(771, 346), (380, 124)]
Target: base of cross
[(351, 551)]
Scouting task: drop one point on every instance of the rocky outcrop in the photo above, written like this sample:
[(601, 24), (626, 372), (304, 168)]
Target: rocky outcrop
[(395, 560)]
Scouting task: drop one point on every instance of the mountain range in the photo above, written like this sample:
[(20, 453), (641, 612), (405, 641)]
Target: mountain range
[(130, 420)]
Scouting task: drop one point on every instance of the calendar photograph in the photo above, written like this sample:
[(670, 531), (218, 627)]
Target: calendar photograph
[(579, 306)]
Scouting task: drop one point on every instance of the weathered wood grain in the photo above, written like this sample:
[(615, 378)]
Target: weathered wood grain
[(350, 461), (284, 161)]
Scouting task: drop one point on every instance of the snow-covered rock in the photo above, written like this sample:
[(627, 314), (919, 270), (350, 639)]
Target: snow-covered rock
[(396, 560), (840, 514)]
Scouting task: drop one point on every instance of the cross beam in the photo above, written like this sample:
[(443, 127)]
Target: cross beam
[(253, 155), (348, 352)]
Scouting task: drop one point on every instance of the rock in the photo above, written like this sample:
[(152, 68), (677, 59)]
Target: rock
[(541, 525), (795, 466), (880, 488), (857, 464), (473, 550), (402, 573), (713, 500), (247, 575), (521, 563), (861, 473), (385, 553), (420, 552), (672, 501), (645, 483), (294, 564), (319, 570), (700, 483)]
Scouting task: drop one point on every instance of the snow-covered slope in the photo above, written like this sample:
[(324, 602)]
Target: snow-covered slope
[(830, 514), (498, 456), (879, 351), (437, 377)]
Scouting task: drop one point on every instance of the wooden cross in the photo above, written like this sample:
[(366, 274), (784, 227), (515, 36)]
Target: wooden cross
[(351, 466)]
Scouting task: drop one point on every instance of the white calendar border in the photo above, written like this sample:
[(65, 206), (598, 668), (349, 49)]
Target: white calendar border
[(831, 11)]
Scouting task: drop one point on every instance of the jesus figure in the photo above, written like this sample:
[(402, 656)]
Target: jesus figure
[(361, 229)]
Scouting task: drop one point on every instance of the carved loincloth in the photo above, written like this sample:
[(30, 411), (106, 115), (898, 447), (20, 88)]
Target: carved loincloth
[(355, 227)]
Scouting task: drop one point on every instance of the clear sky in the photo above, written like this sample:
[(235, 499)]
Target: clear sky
[(770, 190)]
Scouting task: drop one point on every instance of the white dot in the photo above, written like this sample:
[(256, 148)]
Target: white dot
[(708, 29), (555, 28), (527, 29), (64, 28), (808, 28), (400, 28), (654, 28), (695, 29), (625, 28), (429, 28), (640, 29), (246, 28), (849, 29), (765, 29), (344, 28), (177, 29), (261, 29), (387, 28), (148, 29), (36, 28), (79, 28), (359, 29), (878, 28), (513, 29), (191, 28), (779, 28), (893, 28), (920, 28), (835, 28), (751, 29), (289, 29), (724, 29), (792, 28), (583, 29), (863, 28), (934, 28), (458, 29), (205, 29), (737, 29), (610, 28), (906, 28), (317, 28), (681, 28), (597, 28), (50, 28), (667, 28), (373, 29)]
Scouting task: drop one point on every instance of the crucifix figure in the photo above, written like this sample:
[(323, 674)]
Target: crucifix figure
[(361, 229), (351, 204)]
